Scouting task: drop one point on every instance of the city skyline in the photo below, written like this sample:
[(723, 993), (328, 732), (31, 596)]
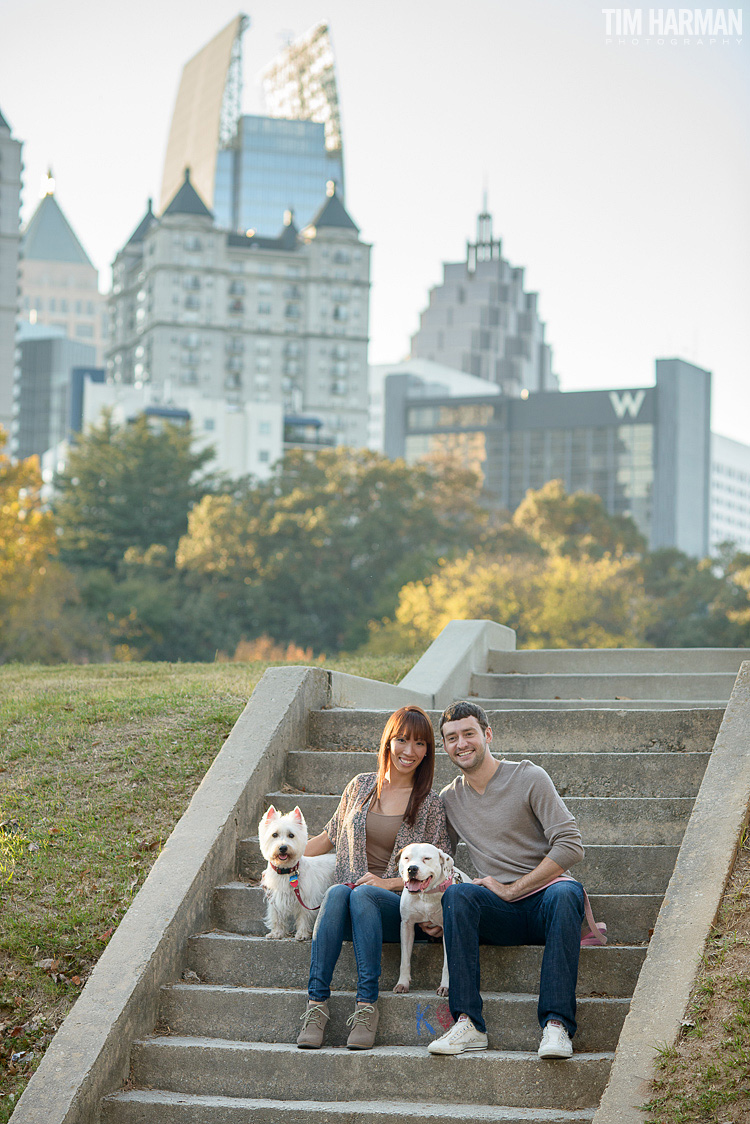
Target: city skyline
[(618, 176)]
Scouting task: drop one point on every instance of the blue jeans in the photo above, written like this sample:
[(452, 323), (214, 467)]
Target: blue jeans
[(367, 916), (553, 917)]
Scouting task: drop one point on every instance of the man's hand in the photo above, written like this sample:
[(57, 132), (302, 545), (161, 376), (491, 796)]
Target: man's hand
[(528, 884), (431, 930), (500, 888)]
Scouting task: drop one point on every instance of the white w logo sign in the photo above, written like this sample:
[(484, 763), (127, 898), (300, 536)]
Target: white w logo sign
[(627, 402)]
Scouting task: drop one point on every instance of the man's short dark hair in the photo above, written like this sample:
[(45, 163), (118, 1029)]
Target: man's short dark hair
[(458, 710)]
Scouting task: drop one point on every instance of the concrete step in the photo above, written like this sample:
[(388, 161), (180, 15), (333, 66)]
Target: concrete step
[(273, 1015), (610, 686), (620, 706), (247, 961), (600, 819), (518, 732), (240, 908), (574, 774), (213, 1066), (153, 1106), (606, 869), (617, 660)]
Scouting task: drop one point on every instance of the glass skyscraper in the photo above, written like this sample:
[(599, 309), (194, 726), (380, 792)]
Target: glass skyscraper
[(250, 170), (274, 166)]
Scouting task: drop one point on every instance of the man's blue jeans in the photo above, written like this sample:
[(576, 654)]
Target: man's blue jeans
[(553, 917), (367, 916)]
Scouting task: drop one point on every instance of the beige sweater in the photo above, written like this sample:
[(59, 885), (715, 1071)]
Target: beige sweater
[(516, 822)]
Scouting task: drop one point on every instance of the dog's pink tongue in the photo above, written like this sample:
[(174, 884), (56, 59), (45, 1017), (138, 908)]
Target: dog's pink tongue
[(413, 886)]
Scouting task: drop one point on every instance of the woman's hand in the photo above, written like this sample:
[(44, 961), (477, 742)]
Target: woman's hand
[(384, 883)]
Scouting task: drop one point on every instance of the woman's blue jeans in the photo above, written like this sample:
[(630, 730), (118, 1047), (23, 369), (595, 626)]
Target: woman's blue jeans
[(553, 917), (366, 916)]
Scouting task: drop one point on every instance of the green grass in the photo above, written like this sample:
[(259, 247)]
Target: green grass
[(97, 764), (705, 1077)]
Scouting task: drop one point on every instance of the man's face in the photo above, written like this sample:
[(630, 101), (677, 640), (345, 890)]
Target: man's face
[(466, 743)]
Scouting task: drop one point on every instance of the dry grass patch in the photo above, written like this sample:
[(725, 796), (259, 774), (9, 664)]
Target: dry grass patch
[(705, 1077)]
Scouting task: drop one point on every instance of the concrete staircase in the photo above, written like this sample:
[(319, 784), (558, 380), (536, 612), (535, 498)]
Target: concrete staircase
[(224, 1049)]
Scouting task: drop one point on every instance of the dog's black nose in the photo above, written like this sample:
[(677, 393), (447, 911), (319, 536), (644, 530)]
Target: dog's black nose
[(283, 849), (412, 871)]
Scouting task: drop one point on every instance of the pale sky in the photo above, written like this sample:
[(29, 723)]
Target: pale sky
[(617, 175)]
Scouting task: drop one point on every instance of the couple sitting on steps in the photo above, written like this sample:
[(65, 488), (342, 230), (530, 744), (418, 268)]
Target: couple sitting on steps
[(520, 836)]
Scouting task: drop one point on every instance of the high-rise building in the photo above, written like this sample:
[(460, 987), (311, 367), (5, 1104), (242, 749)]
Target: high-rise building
[(250, 169), (206, 113), (245, 321), (645, 451), (273, 166), (300, 84), (59, 283), (50, 398), (482, 321), (730, 493), (10, 239)]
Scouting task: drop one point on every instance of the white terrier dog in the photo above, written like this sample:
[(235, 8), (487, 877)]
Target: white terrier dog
[(294, 885), (427, 872)]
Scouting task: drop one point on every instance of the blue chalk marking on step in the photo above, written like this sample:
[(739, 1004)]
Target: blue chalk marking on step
[(422, 1012)]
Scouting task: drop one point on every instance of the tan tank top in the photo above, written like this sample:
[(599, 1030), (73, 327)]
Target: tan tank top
[(380, 837)]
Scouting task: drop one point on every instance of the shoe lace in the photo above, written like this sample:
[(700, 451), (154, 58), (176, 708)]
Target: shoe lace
[(361, 1016), (312, 1015)]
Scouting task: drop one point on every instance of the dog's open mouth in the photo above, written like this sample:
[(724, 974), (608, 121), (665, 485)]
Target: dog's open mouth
[(414, 886)]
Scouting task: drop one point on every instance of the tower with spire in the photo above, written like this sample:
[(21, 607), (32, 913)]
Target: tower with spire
[(481, 320), (59, 283), (10, 203)]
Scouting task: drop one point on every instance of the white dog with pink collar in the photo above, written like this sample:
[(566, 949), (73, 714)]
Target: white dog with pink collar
[(427, 873)]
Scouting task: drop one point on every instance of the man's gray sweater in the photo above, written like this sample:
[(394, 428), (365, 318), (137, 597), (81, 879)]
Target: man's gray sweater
[(517, 821)]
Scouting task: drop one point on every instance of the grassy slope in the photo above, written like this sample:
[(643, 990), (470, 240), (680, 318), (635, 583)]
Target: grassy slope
[(97, 764)]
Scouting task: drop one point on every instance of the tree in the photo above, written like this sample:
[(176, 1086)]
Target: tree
[(40, 616), (312, 554), (553, 602), (575, 524), (127, 487)]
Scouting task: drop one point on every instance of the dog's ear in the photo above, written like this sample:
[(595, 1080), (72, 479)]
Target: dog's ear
[(447, 862), (271, 814), (297, 815)]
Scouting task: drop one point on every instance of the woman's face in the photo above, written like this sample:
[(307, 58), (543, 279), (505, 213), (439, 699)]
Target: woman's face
[(406, 753)]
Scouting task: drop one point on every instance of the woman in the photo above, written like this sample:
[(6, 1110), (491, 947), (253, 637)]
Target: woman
[(378, 814)]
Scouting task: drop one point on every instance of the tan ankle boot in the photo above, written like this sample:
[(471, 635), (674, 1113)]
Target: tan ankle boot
[(364, 1023), (313, 1030)]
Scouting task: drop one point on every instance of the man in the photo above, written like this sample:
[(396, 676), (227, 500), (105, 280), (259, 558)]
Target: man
[(520, 836)]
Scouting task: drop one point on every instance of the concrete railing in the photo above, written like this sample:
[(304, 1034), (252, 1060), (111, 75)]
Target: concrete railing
[(446, 668), (691, 903)]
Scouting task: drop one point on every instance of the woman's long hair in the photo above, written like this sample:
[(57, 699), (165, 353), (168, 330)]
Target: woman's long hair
[(411, 722)]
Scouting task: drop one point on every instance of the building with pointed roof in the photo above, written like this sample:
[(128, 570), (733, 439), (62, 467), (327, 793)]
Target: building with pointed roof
[(263, 339), (59, 283), (481, 320), (10, 239)]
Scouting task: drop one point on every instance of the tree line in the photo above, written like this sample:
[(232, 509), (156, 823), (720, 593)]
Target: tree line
[(145, 554)]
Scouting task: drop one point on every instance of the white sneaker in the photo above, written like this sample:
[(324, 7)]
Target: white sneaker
[(555, 1042), (463, 1035)]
